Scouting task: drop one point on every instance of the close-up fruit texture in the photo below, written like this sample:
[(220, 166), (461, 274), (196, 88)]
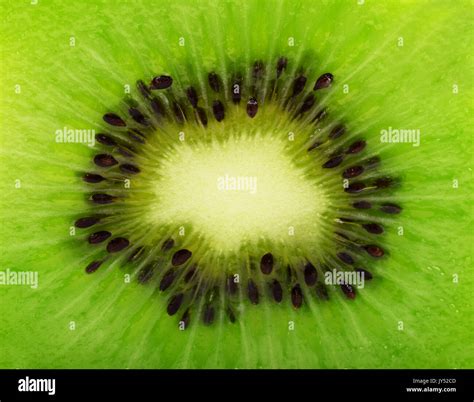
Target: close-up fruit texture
[(236, 184)]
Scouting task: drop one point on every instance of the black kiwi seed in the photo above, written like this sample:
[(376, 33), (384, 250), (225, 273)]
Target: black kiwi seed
[(167, 244), (281, 65), (189, 275), (374, 251), (135, 135), (310, 274), (145, 274), (136, 254), (99, 237), (371, 162), (105, 160), (231, 285), (296, 296), (218, 110), (230, 314), (93, 266), (175, 304), (158, 107), (352, 171), (342, 235), (324, 81), (308, 103), (348, 290), (167, 279), (138, 116), (333, 162), (192, 96), (266, 264), (124, 152), (345, 258), (103, 198), (236, 90), (114, 120), (356, 187), (298, 85), (208, 314), (92, 178), (373, 228), (367, 275), (161, 82), (289, 274), (143, 89), (185, 319), (252, 292), (314, 145), (180, 257), (127, 168), (105, 139), (383, 182), (87, 222), (201, 114), (277, 291), (214, 81), (252, 107), (346, 219), (117, 244), (362, 205), (337, 132), (356, 147), (391, 208), (179, 112)]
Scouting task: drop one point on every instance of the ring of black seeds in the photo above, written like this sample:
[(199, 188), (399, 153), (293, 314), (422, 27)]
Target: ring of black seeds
[(179, 277)]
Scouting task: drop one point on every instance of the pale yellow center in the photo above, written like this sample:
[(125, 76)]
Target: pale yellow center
[(242, 190)]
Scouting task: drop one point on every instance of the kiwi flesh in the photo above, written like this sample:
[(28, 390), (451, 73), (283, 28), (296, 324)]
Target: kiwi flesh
[(275, 318), (220, 228)]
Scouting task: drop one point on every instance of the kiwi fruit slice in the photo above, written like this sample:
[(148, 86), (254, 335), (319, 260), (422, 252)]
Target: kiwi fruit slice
[(194, 190), (217, 180)]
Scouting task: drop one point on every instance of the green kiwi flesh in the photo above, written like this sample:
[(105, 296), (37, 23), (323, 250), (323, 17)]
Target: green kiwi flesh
[(394, 64), (237, 204)]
